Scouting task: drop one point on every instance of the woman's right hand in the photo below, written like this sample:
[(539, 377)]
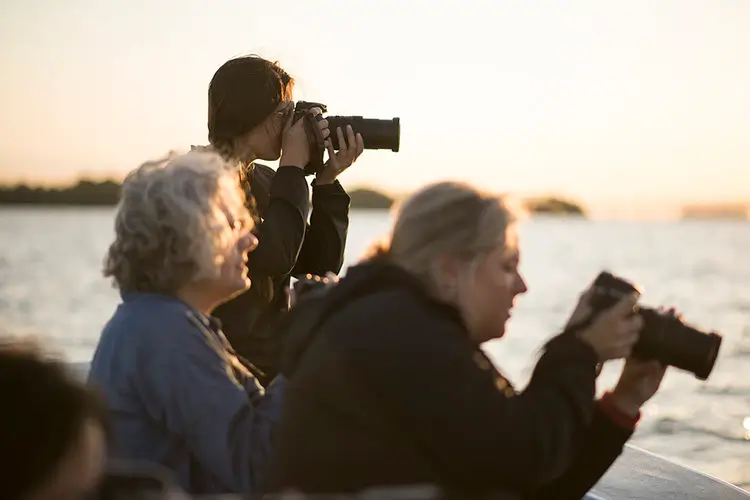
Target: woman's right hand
[(295, 148), (614, 331)]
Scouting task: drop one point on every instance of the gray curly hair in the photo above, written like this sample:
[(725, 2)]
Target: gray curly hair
[(172, 222)]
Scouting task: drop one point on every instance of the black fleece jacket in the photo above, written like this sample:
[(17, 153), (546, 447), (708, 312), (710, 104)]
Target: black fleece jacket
[(287, 245), (386, 388)]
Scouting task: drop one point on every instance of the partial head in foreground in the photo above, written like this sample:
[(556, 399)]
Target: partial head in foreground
[(182, 228), (249, 101), (462, 243), (53, 443)]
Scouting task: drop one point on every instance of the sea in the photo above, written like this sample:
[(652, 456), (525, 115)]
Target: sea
[(51, 287)]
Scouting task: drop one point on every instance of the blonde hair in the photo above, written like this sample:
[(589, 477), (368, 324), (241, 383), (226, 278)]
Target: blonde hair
[(447, 218), (171, 225)]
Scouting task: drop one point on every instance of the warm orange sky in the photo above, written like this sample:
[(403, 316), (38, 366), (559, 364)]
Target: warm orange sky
[(627, 104)]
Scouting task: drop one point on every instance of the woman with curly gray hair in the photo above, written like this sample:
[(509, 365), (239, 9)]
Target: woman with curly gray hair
[(178, 394)]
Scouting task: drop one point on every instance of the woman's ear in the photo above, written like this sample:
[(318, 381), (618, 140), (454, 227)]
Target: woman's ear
[(446, 270)]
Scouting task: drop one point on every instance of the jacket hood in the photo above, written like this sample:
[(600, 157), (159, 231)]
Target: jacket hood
[(298, 329)]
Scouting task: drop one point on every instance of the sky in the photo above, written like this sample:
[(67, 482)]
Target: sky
[(631, 107)]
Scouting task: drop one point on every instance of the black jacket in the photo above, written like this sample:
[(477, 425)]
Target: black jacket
[(287, 246), (385, 387)]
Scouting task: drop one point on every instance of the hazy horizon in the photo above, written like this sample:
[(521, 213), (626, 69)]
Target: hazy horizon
[(633, 108)]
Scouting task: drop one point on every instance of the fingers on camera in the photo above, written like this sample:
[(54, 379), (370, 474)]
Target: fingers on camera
[(340, 136), (360, 144), (622, 309)]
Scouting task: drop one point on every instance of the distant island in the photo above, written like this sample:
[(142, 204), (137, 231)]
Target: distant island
[(107, 193), (554, 206), (715, 211), (370, 199)]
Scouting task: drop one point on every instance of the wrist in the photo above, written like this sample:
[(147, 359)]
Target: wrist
[(624, 403), (585, 339), (610, 408), (292, 164), (292, 161), (324, 181)]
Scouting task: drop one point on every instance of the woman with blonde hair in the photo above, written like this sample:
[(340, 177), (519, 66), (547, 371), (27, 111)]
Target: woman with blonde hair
[(177, 393), (387, 384)]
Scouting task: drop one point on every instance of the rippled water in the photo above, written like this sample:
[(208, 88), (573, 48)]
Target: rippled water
[(51, 286)]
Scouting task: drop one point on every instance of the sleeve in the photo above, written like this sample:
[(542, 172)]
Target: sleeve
[(472, 428), (282, 231), (186, 385), (325, 241), (604, 443)]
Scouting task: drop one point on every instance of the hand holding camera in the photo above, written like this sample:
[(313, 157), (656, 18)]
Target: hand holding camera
[(661, 335), (362, 133), (295, 141), (350, 149), (613, 333), (639, 381)]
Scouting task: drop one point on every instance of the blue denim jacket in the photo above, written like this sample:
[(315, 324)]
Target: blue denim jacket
[(176, 397)]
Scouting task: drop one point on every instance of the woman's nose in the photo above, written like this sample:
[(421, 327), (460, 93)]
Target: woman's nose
[(249, 242), (521, 285)]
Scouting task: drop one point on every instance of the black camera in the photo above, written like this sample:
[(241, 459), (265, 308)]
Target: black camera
[(310, 285), (663, 337), (376, 133)]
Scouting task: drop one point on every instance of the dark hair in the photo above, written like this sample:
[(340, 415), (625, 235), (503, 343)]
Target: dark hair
[(44, 411), (243, 92)]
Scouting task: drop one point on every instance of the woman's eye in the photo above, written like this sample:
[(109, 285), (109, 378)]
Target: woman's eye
[(511, 267), (234, 224)]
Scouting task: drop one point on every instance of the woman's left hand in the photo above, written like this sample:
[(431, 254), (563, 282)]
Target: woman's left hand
[(638, 382), (349, 150)]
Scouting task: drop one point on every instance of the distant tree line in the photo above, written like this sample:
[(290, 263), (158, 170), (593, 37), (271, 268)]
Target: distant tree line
[(85, 192), (107, 193)]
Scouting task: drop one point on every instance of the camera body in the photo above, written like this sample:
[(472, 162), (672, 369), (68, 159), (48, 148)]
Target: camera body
[(376, 133), (663, 337), (310, 286)]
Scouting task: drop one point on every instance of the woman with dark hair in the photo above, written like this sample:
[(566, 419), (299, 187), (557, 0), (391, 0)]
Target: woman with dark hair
[(52, 428), (249, 118)]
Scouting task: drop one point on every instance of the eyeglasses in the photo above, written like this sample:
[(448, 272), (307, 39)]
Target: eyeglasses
[(285, 111)]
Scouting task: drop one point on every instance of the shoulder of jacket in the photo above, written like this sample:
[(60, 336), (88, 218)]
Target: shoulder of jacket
[(263, 170), (394, 309)]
